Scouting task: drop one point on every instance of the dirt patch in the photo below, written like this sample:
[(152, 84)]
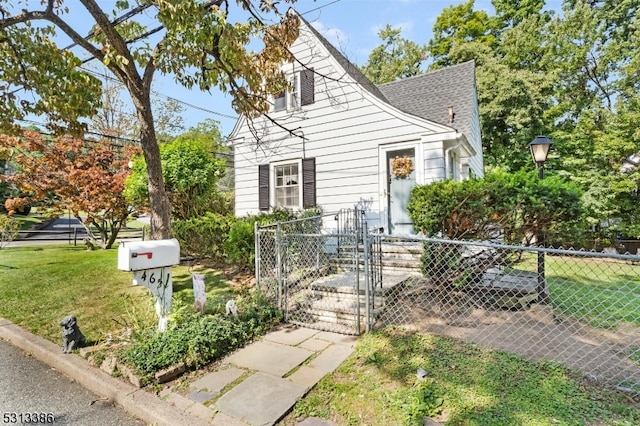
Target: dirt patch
[(239, 279), (536, 332)]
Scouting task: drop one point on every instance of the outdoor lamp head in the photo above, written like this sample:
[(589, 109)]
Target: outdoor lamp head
[(540, 149)]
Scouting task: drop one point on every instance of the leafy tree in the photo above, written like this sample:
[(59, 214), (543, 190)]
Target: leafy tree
[(512, 12), (86, 177), (513, 105), (457, 25), (191, 174), (207, 132), (199, 45), (116, 118), (573, 76), (396, 58)]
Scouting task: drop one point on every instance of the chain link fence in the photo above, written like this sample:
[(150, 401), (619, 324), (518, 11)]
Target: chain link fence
[(575, 307), (313, 269)]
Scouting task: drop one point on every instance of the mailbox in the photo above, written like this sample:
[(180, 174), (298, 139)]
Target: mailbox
[(141, 255)]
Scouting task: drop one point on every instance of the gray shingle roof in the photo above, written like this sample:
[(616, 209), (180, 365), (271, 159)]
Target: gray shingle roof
[(429, 95)]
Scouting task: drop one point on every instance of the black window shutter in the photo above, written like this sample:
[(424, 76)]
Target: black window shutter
[(307, 92), (309, 182), (263, 187)]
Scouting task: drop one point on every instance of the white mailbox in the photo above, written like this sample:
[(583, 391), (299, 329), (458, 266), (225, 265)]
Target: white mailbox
[(141, 255)]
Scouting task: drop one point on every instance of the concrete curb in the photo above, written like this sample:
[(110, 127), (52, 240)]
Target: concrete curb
[(143, 405)]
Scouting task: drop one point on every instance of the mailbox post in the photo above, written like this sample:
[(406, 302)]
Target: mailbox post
[(150, 262)]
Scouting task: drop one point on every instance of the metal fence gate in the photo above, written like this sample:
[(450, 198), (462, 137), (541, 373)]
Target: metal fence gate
[(575, 307), (322, 271)]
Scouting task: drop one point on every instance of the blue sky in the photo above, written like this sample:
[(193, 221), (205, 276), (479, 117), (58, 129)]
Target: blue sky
[(352, 26)]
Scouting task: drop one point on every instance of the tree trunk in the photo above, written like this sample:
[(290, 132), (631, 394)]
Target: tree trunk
[(158, 200)]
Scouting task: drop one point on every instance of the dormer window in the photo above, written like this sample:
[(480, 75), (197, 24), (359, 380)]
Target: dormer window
[(302, 92)]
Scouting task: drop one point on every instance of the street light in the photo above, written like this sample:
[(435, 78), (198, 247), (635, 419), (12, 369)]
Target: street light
[(539, 150)]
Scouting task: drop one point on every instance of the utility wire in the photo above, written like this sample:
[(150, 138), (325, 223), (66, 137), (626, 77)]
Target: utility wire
[(120, 138), (133, 12), (114, 79)]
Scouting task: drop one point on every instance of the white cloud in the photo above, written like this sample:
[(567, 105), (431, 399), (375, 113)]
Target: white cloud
[(335, 36)]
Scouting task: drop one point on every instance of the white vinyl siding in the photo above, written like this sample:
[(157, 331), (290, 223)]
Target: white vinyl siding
[(343, 128)]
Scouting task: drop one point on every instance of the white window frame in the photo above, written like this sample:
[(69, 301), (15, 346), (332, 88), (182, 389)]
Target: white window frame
[(274, 180), (292, 95), (454, 161), (294, 100)]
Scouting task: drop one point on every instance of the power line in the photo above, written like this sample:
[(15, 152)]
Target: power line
[(320, 7), (120, 138), (139, 9), (109, 77), (133, 12)]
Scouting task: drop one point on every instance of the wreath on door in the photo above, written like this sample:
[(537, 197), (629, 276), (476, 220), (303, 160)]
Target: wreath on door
[(401, 167)]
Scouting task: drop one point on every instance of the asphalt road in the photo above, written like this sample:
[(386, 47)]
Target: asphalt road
[(31, 390)]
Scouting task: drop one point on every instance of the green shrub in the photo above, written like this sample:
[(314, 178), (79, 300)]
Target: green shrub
[(512, 206), (198, 339), (9, 228), (203, 236), (239, 247), (240, 244)]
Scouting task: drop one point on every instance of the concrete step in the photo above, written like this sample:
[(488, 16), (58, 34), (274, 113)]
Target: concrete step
[(343, 318), (333, 327), (343, 304)]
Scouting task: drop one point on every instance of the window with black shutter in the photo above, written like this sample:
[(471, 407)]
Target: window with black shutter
[(293, 183), (307, 90)]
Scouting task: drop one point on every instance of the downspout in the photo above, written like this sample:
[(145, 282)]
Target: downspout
[(447, 158)]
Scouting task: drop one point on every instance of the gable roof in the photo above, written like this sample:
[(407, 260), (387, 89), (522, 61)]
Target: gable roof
[(429, 95), (353, 71), (426, 96)]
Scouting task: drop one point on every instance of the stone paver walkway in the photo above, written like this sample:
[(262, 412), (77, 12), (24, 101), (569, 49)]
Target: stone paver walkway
[(260, 383)]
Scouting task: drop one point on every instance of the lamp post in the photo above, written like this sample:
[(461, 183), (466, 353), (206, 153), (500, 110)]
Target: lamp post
[(539, 150)]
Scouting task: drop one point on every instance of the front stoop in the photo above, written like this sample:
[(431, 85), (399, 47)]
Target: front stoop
[(334, 303)]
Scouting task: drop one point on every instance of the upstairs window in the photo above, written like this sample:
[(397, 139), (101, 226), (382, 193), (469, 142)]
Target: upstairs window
[(302, 92)]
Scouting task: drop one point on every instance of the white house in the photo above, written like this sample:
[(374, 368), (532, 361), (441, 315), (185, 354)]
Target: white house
[(348, 132)]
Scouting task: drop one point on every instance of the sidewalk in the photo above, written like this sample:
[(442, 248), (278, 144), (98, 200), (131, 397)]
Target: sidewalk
[(256, 385)]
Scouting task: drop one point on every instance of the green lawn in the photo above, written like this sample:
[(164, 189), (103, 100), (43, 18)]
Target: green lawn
[(41, 284), (601, 292), (464, 385)]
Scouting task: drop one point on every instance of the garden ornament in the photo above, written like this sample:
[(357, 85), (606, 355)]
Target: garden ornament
[(71, 334)]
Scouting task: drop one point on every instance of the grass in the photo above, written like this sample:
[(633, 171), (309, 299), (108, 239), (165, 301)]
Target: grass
[(42, 284), (600, 292), (465, 385)]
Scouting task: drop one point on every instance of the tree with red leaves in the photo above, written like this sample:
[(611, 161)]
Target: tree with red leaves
[(84, 177)]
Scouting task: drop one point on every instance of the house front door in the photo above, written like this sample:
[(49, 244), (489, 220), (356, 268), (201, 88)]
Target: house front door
[(401, 178)]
